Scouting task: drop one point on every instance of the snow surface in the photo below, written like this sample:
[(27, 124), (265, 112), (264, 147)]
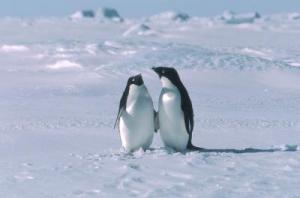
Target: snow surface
[(83, 14), (170, 16), (60, 85), (139, 29)]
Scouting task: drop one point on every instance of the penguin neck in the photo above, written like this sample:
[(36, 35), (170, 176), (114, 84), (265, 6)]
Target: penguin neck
[(167, 84), (135, 92)]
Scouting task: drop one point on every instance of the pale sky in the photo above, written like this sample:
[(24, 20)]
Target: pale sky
[(136, 8)]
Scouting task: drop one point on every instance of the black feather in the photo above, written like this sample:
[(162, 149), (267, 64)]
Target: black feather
[(122, 105), (186, 103), (187, 109), (136, 80)]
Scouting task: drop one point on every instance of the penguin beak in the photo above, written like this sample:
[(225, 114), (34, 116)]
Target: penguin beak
[(139, 76), (139, 79)]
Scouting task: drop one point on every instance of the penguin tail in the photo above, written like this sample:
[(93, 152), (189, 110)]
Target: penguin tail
[(191, 147)]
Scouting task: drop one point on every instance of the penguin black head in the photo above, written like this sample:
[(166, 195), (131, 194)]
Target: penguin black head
[(168, 72), (135, 80)]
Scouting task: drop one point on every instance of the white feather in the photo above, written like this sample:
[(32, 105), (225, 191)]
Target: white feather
[(171, 119), (137, 121)]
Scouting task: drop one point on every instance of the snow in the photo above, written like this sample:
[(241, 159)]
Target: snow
[(13, 48), (231, 18), (83, 14), (60, 85), (139, 29), (64, 64), (170, 16), (294, 16), (295, 64)]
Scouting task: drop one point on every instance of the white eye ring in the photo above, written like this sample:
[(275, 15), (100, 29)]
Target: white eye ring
[(163, 71), (133, 80)]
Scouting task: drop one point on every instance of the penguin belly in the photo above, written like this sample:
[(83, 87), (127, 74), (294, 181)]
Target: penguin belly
[(171, 120), (137, 125)]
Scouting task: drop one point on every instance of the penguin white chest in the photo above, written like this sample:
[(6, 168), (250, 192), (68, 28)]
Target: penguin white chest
[(136, 122), (171, 120)]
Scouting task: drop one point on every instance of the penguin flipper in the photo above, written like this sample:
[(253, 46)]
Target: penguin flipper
[(118, 117), (122, 105), (156, 121), (187, 108)]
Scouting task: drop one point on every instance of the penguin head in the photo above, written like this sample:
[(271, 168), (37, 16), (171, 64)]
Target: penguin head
[(134, 85), (135, 80), (167, 72)]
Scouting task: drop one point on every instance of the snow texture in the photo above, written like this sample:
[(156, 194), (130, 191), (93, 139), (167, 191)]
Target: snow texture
[(170, 16), (83, 14), (61, 82), (139, 29)]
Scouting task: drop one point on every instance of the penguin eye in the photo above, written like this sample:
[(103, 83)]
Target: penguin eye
[(163, 71), (133, 80)]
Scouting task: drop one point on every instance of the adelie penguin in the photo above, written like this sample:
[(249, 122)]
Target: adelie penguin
[(175, 111), (136, 116)]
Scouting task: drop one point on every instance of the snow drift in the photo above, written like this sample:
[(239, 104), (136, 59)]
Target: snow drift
[(230, 17), (83, 14), (13, 48), (170, 16), (63, 65), (294, 16), (139, 29)]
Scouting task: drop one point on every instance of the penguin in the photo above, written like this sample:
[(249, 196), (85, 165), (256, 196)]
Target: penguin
[(175, 111), (136, 116)]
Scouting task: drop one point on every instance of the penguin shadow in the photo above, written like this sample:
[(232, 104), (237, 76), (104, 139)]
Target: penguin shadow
[(124, 155), (132, 155), (286, 148)]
